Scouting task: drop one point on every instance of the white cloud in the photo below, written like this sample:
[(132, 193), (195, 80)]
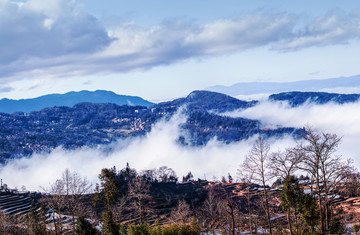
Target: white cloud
[(56, 38), (157, 148), (256, 30), (334, 28), (160, 147), (46, 29), (341, 119)]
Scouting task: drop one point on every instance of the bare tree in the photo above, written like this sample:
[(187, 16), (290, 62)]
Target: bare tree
[(35, 221), (181, 213), (256, 164), (327, 169), (75, 189), (56, 201), (66, 195), (285, 164), (139, 193), (247, 178), (210, 210), (7, 225), (118, 208), (230, 213)]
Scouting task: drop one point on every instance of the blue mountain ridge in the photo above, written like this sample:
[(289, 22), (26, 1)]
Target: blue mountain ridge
[(249, 88), (69, 99), (296, 98), (91, 124)]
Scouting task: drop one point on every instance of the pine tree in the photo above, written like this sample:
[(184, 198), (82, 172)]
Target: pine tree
[(84, 227), (109, 227)]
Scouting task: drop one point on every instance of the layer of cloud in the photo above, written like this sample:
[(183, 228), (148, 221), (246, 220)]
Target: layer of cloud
[(334, 28), (160, 147), (55, 39), (47, 29), (157, 149), (341, 119)]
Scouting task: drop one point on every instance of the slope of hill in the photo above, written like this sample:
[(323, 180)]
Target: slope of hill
[(69, 99), (89, 124), (208, 101)]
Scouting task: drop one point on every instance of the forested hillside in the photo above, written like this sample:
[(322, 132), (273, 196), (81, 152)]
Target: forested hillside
[(89, 124)]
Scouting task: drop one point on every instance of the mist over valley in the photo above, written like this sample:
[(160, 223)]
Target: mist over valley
[(207, 133)]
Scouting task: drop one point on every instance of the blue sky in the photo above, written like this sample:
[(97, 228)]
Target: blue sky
[(164, 49)]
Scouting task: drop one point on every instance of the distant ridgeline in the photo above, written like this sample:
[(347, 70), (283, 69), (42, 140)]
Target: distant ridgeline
[(69, 99), (297, 98), (91, 124)]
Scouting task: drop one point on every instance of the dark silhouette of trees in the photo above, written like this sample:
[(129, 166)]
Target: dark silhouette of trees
[(166, 175), (109, 226), (84, 227), (110, 187), (188, 177)]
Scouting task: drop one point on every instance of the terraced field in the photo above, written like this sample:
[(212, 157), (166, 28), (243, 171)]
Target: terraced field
[(16, 204)]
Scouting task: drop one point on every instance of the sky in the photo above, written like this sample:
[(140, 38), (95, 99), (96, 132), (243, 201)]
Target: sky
[(163, 49)]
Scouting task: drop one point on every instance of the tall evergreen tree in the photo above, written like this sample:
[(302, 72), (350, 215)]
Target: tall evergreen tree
[(110, 186), (109, 226), (84, 227)]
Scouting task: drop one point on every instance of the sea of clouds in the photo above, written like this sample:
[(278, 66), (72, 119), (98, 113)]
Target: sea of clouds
[(160, 147)]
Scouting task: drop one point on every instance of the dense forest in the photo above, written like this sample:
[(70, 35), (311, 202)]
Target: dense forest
[(306, 189)]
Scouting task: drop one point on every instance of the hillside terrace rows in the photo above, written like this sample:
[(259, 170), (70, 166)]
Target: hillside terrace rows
[(16, 204), (20, 203)]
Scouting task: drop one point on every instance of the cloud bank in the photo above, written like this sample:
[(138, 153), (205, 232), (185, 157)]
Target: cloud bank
[(56, 38), (157, 148), (341, 119)]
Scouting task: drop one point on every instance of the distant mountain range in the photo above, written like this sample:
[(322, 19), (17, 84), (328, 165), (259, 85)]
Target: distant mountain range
[(90, 124), (69, 99), (251, 88)]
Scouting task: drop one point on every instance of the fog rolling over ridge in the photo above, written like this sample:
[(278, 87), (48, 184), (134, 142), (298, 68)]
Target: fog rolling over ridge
[(160, 146), (341, 119)]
